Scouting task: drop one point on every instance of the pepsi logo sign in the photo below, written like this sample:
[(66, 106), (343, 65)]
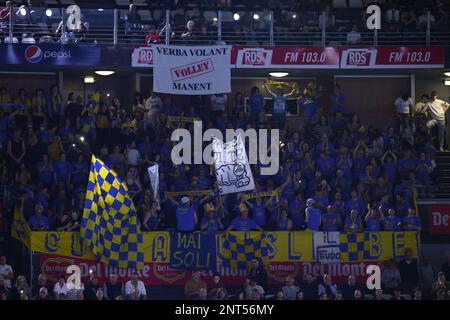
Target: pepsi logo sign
[(33, 54)]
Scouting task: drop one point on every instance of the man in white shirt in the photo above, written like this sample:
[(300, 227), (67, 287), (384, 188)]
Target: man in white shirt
[(6, 271), (437, 108), (133, 155), (353, 36), (403, 106), (250, 285), (421, 106), (135, 289), (218, 102), (60, 287), (152, 107)]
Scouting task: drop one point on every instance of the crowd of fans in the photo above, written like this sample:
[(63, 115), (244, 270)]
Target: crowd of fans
[(335, 172), (303, 20), (405, 280)]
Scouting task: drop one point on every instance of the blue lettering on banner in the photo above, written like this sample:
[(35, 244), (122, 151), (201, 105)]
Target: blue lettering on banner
[(52, 241), (193, 251), (159, 247), (375, 247)]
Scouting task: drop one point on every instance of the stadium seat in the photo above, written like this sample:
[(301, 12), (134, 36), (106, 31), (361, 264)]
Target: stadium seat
[(355, 4), (339, 4), (14, 40)]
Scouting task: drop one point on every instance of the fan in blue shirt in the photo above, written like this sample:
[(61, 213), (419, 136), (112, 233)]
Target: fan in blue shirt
[(313, 215), (373, 220), (63, 169), (186, 216), (331, 220), (354, 203), (259, 211), (392, 222), (244, 223), (411, 222), (38, 222)]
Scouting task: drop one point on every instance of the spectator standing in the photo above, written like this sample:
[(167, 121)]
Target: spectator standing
[(441, 285), (348, 289), (313, 215), (390, 277), (6, 271), (353, 37), (409, 272), (256, 105), (437, 109), (328, 287), (186, 216), (258, 272), (60, 287), (310, 287), (404, 107)]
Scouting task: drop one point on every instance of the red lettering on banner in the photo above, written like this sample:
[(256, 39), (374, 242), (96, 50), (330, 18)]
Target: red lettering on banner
[(439, 219), (192, 70)]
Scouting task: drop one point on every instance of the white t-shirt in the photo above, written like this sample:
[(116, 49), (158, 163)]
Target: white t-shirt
[(436, 109), (402, 106), (129, 288), (133, 156), (5, 270), (57, 289), (218, 102), (153, 103)]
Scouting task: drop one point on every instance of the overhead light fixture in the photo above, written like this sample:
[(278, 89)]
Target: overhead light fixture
[(236, 16), (23, 11), (278, 74), (294, 16), (215, 19), (89, 79), (48, 12), (108, 95), (100, 9), (104, 72), (447, 82), (447, 74), (255, 16)]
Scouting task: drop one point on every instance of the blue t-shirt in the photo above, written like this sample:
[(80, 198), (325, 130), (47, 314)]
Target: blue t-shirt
[(259, 214), (185, 218), (314, 216), (243, 224), (212, 225), (330, 222), (357, 204), (309, 106), (337, 100), (282, 224), (391, 223), (256, 103), (63, 169), (34, 222), (45, 176), (414, 220), (279, 103), (373, 223)]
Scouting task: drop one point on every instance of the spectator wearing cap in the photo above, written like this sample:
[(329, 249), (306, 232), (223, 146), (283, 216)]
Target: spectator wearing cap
[(186, 216), (243, 223), (192, 286), (210, 221), (313, 215)]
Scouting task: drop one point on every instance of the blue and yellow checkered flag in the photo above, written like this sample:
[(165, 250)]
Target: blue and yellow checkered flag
[(110, 224), (239, 248), (352, 246), (20, 228)]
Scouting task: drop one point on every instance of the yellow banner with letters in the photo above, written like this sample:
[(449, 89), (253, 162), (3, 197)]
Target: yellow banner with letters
[(277, 246)]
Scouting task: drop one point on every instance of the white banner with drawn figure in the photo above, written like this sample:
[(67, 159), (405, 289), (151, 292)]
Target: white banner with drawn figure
[(191, 70), (233, 172), (153, 172)]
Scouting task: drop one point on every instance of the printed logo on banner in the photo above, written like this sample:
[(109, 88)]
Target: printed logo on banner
[(33, 54), (254, 57), (327, 247), (142, 57), (358, 58), (439, 219)]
